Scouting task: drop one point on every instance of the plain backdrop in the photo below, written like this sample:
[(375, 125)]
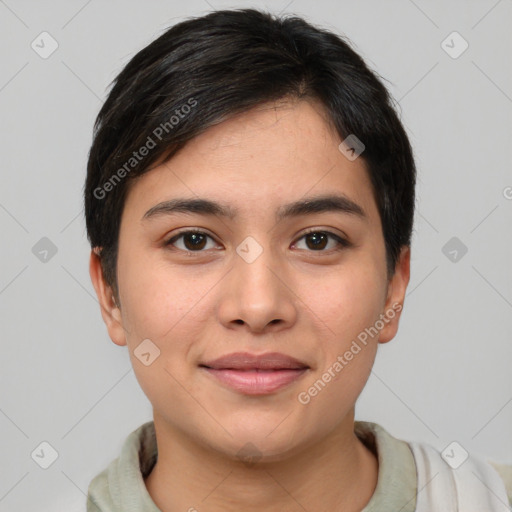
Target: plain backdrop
[(445, 377)]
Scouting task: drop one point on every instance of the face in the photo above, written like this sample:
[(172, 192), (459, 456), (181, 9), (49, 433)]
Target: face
[(256, 278)]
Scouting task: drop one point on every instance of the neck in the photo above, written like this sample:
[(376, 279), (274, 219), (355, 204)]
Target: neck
[(337, 473)]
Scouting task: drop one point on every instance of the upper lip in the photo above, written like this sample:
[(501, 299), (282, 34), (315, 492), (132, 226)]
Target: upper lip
[(247, 361)]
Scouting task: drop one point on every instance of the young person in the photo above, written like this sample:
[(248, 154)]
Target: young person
[(249, 202)]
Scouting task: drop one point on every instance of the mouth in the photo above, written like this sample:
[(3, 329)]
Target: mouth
[(255, 374)]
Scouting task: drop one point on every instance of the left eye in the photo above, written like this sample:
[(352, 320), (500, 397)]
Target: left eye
[(319, 240), (196, 241)]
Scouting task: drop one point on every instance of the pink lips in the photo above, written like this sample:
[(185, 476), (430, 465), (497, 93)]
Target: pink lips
[(256, 374)]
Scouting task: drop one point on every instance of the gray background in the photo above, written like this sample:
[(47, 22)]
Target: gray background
[(445, 377)]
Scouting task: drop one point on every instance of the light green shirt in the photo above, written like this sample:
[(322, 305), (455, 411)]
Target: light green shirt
[(121, 488)]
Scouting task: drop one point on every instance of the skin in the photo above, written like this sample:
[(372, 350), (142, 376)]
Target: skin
[(305, 302)]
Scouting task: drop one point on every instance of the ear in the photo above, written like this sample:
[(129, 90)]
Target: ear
[(109, 310), (397, 287)]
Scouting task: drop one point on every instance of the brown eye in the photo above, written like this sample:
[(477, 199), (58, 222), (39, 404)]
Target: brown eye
[(193, 241), (319, 240)]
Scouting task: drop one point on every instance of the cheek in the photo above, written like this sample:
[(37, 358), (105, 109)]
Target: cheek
[(349, 304), (155, 298), (162, 306), (168, 307), (347, 300)]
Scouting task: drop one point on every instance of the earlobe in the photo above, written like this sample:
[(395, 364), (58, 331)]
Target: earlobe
[(396, 295), (110, 312)]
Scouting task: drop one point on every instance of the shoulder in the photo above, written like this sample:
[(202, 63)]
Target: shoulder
[(120, 486), (505, 472), (396, 484), (417, 460), (98, 494)]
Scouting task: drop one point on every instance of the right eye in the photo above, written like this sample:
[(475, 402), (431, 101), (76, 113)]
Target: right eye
[(193, 240)]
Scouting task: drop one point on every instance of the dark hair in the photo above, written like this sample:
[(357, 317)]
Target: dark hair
[(202, 71)]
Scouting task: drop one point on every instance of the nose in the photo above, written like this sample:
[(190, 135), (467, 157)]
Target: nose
[(257, 294)]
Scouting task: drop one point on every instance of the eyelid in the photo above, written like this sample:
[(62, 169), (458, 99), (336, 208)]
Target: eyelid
[(327, 231), (185, 231)]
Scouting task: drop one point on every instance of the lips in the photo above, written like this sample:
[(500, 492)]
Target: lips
[(246, 361), (255, 374)]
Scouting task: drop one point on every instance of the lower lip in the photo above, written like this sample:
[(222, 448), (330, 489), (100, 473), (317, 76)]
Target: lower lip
[(252, 382)]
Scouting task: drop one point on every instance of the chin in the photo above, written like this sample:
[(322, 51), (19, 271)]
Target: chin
[(265, 441)]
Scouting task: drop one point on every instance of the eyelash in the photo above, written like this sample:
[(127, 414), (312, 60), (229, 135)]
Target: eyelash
[(342, 242)]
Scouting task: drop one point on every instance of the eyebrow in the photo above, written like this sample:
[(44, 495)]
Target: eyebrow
[(307, 206)]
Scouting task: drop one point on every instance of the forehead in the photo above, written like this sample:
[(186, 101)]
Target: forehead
[(257, 161)]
